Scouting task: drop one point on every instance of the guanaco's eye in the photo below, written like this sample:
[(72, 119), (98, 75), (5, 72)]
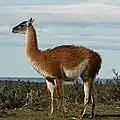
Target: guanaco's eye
[(19, 26)]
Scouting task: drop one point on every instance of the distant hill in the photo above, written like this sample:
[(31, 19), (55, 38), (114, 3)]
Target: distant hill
[(25, 79), (41, 80)]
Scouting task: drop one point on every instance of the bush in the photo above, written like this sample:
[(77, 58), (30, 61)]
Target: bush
[(116, 86)]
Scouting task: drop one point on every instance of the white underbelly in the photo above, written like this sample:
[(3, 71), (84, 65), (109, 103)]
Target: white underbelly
[(76, 71)]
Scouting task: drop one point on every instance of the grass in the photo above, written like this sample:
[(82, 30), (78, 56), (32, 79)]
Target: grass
[(16, 94), (104, 112)]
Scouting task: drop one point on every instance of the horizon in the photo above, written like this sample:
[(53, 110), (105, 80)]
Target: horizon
[(37, 77), (42, 80), (28, 77)]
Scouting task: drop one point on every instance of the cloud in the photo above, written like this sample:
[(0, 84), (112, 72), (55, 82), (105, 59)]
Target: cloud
[(36, 2), (4, 30), (86, 23), (73, 21), (11, 44), (109, 2), (88, 13)]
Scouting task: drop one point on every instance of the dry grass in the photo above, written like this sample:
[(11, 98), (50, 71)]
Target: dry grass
[(104, 112), (33, 98)]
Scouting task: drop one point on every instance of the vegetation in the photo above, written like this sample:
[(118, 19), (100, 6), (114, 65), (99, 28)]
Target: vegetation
[(30, 99)]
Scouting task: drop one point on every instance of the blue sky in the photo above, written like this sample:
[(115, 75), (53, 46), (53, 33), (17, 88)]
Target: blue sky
[(41, 2), (91, 23)]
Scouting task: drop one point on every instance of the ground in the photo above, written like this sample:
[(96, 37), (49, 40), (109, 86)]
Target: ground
[(104, 112)]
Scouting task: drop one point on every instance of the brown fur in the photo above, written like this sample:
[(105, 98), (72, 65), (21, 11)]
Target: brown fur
[(68, 56), (51, 62)]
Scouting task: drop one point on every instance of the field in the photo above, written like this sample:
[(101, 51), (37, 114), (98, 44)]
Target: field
[(30, 101), (104, 112)]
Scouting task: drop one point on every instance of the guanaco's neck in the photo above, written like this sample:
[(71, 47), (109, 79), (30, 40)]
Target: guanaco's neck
[(31, 41)]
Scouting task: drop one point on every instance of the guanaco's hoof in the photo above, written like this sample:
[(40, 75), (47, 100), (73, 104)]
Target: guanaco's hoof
[(92, 117)]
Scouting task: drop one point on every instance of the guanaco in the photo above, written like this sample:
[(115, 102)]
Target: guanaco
[(65, 62)]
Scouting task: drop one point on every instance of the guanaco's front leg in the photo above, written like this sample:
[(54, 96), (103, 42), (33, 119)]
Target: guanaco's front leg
[(60, 94), (50, 87)]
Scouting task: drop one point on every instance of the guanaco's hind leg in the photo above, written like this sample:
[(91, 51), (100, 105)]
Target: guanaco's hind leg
[(93, 98), (88, 84)]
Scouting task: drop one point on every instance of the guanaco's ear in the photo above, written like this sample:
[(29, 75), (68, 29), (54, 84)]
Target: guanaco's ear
[(30, 21)]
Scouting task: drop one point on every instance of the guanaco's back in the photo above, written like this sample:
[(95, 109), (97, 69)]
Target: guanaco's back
[(71, 60)]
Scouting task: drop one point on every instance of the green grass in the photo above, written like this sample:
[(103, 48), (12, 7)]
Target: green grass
[(104, 112)]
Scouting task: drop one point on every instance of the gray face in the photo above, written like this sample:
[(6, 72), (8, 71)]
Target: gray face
[(21, 28)]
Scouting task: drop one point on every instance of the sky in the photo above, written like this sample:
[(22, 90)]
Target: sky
[(91, 23)]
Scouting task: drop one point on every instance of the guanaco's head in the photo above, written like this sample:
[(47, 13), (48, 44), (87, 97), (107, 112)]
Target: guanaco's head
[(22, 27)]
